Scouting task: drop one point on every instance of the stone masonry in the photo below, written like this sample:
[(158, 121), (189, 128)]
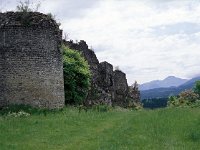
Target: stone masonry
[(31, 70), (120, 89), (108, 87)]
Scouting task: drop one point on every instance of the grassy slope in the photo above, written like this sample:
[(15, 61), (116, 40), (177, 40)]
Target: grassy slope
[(157, 129)]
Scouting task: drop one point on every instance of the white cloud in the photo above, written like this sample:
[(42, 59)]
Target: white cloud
[(148, 39)]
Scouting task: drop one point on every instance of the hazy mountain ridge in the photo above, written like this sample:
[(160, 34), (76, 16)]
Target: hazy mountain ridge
[(166, 92), (170, 81)]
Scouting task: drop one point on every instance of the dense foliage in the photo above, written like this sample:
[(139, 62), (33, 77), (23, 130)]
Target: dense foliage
[(186, 98), (76, 76), (154, 103), (197, 87)]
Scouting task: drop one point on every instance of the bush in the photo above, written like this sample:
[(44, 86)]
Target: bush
[(172, 101), (188, 96), (197, 88), (76, 76), (185, 98)]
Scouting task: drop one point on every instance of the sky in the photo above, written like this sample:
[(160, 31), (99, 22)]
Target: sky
[(147, 39)]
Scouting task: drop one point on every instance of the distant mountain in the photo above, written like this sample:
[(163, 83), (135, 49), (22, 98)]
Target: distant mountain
[(166, 92), (170, 81)]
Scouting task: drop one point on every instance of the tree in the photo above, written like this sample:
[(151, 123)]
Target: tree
[(185, 98), (76, 76), (188, 95), (134, 96), (197, 88)]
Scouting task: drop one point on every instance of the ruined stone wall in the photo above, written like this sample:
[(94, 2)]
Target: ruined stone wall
[(108, 86), (120, 89), (105, 82), (31, 69), (95, 95), (88, 54)]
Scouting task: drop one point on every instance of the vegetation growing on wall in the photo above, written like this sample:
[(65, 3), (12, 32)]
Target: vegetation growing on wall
[(76, 76), (27, 6)]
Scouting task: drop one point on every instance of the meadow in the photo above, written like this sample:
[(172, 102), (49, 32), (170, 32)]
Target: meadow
[(168, 128)]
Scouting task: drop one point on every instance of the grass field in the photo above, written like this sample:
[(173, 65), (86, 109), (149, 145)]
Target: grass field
[(174, 128)]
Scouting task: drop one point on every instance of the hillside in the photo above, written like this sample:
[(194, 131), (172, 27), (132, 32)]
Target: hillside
[(114, 130), (170, 81), (166, 92)]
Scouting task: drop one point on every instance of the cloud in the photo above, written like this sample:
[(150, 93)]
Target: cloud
[(61, 8), (68, 9), (178, 28), (147, 39), (144, 35)]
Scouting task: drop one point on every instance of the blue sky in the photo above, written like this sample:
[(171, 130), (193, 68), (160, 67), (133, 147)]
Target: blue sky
[(147, 39)]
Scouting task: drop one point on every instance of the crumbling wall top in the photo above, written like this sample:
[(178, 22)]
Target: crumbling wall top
[(8, 19)]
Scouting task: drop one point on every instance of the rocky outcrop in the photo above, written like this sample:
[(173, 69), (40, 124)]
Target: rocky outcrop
[(107, 86)]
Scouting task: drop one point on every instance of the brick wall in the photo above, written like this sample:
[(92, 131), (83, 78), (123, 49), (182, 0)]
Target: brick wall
[(31, 70)]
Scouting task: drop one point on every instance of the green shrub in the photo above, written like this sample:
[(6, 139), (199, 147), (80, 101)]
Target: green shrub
[(133, 104), (185, 98), (188, 96), (172, 101), (197, 88), (76, 76)]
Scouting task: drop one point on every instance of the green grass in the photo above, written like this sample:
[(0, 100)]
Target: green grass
[(174, 128)]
